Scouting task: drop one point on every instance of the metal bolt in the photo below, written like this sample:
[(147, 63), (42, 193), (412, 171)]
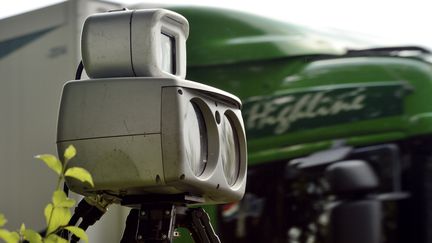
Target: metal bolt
[(139, 237), (167, 212), (143, 213), (164, 236)]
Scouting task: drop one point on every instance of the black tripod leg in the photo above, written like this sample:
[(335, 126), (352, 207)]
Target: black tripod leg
[(155, 223), (130, 231), (199, 225)]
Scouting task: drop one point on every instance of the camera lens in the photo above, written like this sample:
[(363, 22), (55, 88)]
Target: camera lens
[(230, 150), (195, 139), (168, 53)]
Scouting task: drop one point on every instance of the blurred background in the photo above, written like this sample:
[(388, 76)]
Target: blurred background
[(39, 51), (386, 21)]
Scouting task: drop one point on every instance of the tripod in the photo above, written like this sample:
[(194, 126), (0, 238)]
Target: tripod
[(159, 215)]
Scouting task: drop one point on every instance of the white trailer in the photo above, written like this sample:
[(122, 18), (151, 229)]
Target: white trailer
[(39, 51)]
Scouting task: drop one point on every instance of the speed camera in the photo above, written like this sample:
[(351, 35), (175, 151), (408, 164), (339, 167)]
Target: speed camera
[(142, 43), (138, 126)]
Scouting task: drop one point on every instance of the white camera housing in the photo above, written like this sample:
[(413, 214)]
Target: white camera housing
[(155, 135), (140, 128), (138, 43)]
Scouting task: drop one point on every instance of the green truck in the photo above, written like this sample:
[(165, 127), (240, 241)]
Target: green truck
[(338, 128), (338, 136)]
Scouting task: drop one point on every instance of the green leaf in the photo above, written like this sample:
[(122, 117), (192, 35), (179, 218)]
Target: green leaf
[(22, 229), (32, 236), (51, 161), (61, 200), (47, 212), (70, 152), (80, 233), (55, 239), (80, 174), (3, 220), (56, 217), (9, 237)]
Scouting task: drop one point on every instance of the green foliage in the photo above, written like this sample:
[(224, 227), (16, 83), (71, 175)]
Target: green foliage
[(56, 217), (69, 153), (60, 199), (52, 162), (3, 220), (80, 174), (57, 213), (8, 236), (78, 232), (54, 239), (32, 236)]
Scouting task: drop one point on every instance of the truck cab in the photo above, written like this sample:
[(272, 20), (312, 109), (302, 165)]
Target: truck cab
[(338, 130)]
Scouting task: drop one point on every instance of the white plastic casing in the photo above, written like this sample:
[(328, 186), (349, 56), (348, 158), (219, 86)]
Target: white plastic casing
[(130, 135), (130, 43)]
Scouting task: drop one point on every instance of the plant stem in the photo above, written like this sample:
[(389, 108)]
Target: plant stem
[(59, 180)]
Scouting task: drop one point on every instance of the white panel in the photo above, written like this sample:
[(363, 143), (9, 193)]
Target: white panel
[(33, 21)]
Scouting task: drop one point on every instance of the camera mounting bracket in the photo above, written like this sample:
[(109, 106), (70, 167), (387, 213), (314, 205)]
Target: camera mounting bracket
[(159, 215)]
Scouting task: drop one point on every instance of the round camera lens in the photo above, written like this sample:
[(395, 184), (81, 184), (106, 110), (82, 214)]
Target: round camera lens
[(195, 139), (230, 150)]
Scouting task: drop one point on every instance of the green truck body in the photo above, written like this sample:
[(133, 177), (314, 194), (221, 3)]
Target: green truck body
[(305, 91), (312, 100)]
